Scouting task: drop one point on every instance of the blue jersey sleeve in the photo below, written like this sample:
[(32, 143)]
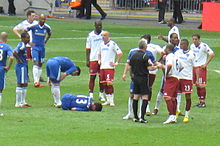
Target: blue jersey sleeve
[(152, 59), (81, 109), (71, 70), (9, 51)]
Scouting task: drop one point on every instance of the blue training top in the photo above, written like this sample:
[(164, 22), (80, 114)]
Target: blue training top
[(5, 51), (21, 50)]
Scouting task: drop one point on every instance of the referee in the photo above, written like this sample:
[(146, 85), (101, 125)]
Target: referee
[(140, 64)]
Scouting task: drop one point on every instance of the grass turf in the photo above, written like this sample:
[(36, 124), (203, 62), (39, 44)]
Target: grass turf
[(44, 125)]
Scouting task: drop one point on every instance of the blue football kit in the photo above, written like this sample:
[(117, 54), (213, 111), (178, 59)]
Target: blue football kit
[(80, 102)]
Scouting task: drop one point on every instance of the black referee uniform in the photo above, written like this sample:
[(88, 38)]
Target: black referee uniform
[(139, 75)]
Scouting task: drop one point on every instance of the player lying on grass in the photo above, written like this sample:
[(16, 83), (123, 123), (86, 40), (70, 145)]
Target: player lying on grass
[(79, 103)]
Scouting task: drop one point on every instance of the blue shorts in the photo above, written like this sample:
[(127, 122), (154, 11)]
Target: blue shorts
[(38, 54), (132, 87), (21, 73), (2, 78), (53, 70)]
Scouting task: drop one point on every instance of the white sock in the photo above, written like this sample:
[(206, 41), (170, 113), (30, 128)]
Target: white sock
[(18, 96), (101, 94), (90, 94), (111, 98), (187, 114), (56, 94), (108, 98), (178, 102), (39, 73), (141, 100), (0, 98), (159, 99), (24, 93), (35, 73), (148, 107), (130, 106)]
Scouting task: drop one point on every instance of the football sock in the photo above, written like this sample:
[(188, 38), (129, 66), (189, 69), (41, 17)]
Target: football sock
[(0, 99), (24, 93), (159, 99), (188, 104), (91, 84), (169, 106), (18, 96), (202, 95), (140, 105), (174, 106), (91, 95), (35, 73), (108, 98), (56, 94), (150, 94), (135, 108), (143, 108), (101, 94), (130, 102), (187, 113), (111, 98), (39, 73), (148, 107), (178, 101)]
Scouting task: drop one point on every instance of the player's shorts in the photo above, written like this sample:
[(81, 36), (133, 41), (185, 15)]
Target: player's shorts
[(94, 67), (131, 87), (2, 78), (202, 76), (21, 73), (171, 86), (151, 80), (141, 85), (38, 54), (107, 75), (185, 86), (53, 70)]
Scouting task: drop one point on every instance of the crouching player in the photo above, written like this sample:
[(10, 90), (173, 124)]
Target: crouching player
[(187, 58), (21, 70), (55, 66), (79, 103)]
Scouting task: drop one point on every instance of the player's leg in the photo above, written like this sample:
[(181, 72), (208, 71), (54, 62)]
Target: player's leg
[(35, 54), (201, 89), (179, 95), (130, 102), (151, 82), (109, 76), (2, 85), (159, 98), (188, 106), (91, 85), (135, 107), (143, 108), (18, 89), (41, 61), (55, 90)]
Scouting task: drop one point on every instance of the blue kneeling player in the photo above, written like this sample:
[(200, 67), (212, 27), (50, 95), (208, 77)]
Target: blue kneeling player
[(55, 66), (21, 69), (79, 103), (5, 51)]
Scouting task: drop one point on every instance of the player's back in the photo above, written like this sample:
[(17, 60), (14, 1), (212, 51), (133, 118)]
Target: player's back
[(64, 62), (5, 51), (172, 60)]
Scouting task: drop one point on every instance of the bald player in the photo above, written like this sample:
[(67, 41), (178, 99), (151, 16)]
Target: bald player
[(108, 61), (40, 35), (3, 37)]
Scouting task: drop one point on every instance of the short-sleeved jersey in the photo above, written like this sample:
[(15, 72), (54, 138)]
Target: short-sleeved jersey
[(80, 102), (187, 60), (66, 65), (132, 51), (202, 51), (21, 50), (93, 43), (154, 49), (39, 33), (139, 63), (174, 29), (108, 52), (5, 51), (172, 60), (24, 25)]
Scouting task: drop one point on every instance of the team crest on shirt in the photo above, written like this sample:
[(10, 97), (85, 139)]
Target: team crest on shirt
[(91, 71)]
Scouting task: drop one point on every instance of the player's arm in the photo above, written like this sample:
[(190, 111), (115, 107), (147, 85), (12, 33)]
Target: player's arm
[(16, 31), (63, 76), (126, 69), (87, 56), (15, 54), (210, 57), (78, 109), (10, 61), (48, 36), (119, 56), (169, 66), (160, 37)]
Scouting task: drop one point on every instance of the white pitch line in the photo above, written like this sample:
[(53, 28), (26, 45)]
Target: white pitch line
[(218, 71)]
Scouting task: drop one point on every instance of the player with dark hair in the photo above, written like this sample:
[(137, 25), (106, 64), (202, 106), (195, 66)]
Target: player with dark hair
[(187, 57), (54, 67), (5, 51), (204, 55), (40, 35), (93, 43), (21, 70), (79, 103)]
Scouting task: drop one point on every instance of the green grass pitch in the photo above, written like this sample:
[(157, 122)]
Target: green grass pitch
[(43, 124)]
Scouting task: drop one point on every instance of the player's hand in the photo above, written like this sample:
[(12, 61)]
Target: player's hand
[(113, 64), (32, 44), (6, 68), (48, 82), (160, 37), (87, 63), (99, 62), (124, 77), (160, 1)]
